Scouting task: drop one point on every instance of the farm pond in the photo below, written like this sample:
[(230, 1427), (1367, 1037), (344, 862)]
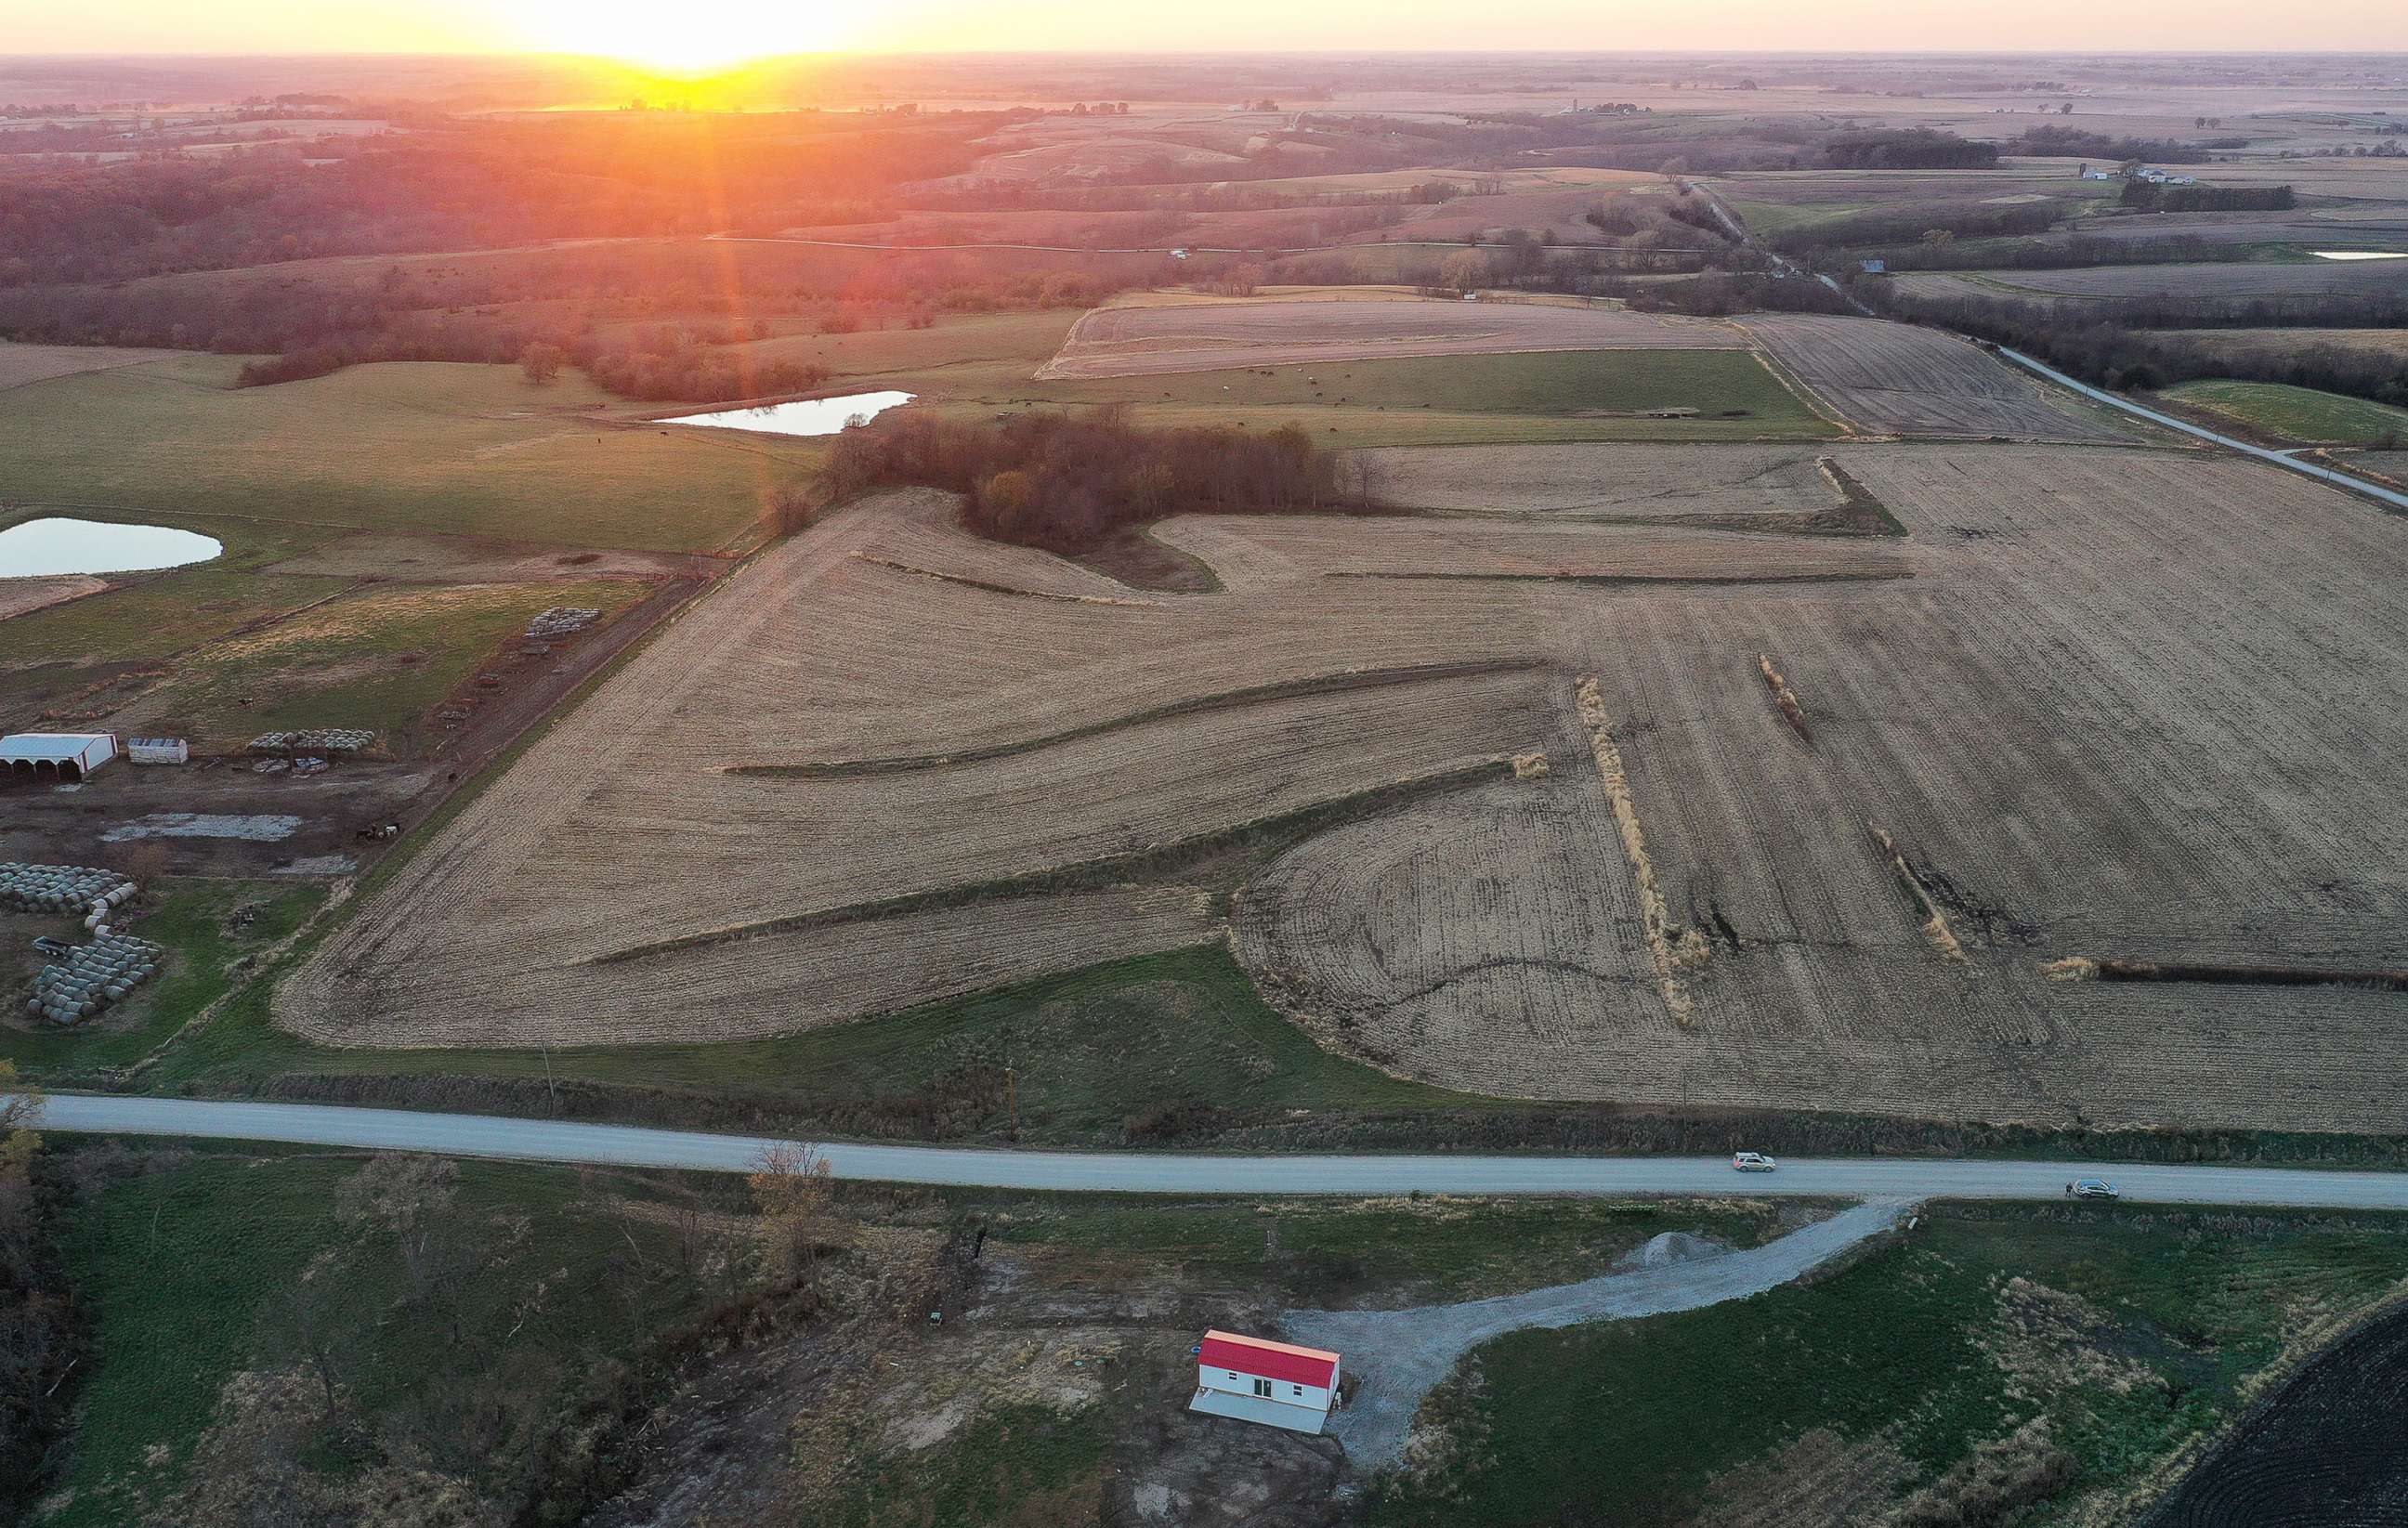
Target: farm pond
[(804, 416), (47, 548)]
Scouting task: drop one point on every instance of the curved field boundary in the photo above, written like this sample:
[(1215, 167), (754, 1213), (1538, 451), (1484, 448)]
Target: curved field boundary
[(1226, 700), (1152, 863), (2325, 1448)]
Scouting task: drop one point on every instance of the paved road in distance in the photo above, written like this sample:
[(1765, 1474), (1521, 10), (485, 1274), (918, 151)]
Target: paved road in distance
[(1207, 1173)]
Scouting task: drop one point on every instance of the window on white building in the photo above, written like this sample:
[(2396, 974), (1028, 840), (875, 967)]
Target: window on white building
[(1263, 1389)]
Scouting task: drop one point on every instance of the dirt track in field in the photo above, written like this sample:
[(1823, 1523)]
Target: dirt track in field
[(1148, 340), (20, 596), (23, 365)]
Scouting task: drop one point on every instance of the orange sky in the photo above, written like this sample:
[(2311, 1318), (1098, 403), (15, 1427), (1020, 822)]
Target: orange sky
[(706, 32)]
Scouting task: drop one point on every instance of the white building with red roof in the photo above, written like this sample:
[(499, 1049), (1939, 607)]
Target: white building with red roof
[(1255, 1380)]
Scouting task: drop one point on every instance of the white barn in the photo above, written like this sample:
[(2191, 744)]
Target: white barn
[(55, 755), (1255, 1380)]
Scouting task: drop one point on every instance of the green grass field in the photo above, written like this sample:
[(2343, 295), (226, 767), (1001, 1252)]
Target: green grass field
[(424, 446), (377, 657), (206, 925), (2299, 414), (183, 1271), (932, 1071), (1766, 218), (1474, 399), (1327, 1251), (2148, 1325)]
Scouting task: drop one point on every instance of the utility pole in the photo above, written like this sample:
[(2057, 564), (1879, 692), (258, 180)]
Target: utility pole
[(1011, 1102)]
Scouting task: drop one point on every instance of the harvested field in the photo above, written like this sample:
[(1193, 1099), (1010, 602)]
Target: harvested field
[(2067, 759), (2212, 279), (1150, 339), (1894, 378), (1264, 551), (772, 983), (1056, 766), (2260, 343), (23, 363), (2116, 713), (1582, 480), (19, 595)]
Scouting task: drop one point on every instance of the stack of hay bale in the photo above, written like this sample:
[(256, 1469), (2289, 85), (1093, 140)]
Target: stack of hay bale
[(85, 890), (561, 621), (313, 740), (94, 976)]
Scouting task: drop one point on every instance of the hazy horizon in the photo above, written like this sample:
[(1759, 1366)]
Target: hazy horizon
[(754, 29)]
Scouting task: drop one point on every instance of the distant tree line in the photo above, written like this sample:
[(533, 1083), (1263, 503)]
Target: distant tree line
[(2051, 252), (1069, 482), (458, 186), (1907, 148), (2052, 140), (593, 304), (2120, 353)]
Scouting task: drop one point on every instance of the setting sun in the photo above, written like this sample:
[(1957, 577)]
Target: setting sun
[(683, 38)]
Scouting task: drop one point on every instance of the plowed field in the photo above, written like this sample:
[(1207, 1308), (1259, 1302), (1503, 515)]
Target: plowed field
[(1150, 339), (1825, 822), (2117, 710), (1894, 378)]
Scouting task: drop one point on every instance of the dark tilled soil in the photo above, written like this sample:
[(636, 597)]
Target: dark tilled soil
[(2329, 1451)]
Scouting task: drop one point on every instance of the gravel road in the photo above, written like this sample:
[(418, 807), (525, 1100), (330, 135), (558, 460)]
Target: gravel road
[(1188, 1172), (1396, 1356)]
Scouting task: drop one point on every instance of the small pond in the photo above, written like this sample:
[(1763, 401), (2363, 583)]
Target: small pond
[(47, 548), (2359, 254), (804, 417)]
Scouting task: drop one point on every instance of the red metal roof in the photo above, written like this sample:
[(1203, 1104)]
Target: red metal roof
[(1271, 1360)]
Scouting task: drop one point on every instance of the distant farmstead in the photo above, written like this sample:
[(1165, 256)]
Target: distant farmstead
[(1255, 1380), (55, 755)]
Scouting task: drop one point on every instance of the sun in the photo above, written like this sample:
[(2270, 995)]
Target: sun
[(689, 39)]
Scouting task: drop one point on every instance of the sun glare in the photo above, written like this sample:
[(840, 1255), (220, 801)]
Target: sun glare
[(693, 39)]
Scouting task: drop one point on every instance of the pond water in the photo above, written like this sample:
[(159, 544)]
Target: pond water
[(2359, 254), (42, 547), (805, 417)]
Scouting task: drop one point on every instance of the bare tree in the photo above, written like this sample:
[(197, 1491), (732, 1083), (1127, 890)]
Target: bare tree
[(791, 1184), (315, 1322)]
